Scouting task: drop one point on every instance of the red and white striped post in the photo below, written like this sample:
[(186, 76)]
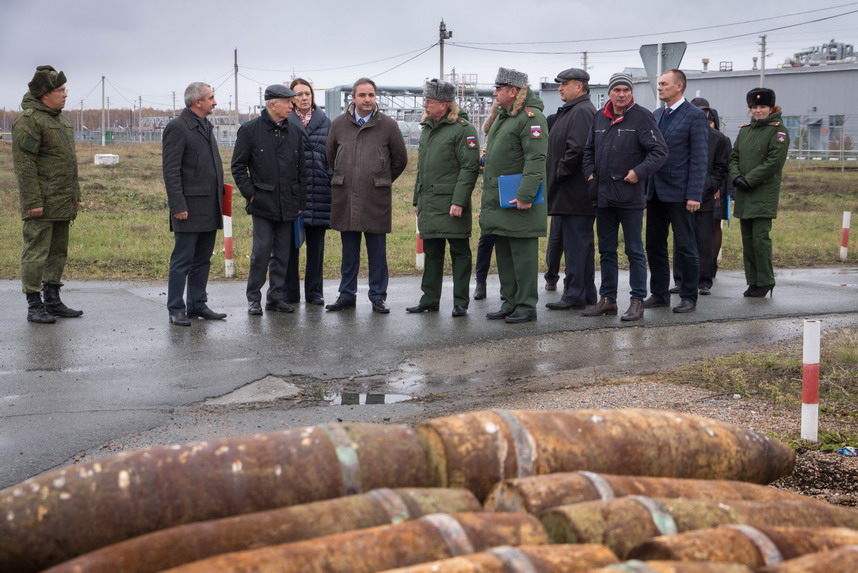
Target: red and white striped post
[(844, 235), (418, 246), (810, 382), (229, 264)]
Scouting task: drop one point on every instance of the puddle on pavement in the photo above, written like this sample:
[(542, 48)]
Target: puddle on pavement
[(358, 399)]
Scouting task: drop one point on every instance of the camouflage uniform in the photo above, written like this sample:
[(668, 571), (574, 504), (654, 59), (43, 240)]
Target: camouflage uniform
[(46, 167)]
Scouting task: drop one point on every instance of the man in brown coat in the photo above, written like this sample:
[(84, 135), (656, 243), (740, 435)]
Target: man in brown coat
[(367, 153)]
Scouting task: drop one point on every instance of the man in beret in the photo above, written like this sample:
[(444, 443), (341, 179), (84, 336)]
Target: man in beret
[(268, 166), (448, 164), (193, 177), (569, 204), (43, 155), (517, 144)]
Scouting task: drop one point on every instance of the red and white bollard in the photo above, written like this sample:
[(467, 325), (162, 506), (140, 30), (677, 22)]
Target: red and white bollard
[(229, 264), (844, 235), (418, 246), (810, 382)]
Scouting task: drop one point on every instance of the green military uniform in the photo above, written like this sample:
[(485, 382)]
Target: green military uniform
[(759, 154), (517, 143), (45, 162), (448, 164)]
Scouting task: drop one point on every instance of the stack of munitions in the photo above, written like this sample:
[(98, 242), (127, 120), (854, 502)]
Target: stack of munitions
[(562, 491)]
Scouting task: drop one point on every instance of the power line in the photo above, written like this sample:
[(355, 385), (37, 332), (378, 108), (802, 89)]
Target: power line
[(406, 61), (348, 66)]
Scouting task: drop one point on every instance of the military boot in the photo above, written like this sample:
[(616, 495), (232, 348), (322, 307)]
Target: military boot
[(36, 310), (55, 306)]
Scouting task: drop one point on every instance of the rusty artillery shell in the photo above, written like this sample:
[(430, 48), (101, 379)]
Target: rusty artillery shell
[(65, 513), (535, 494), (563, 558), (478, 449), (636, 566), (181, 544), (626, 522), (428, 538), (755, 547), (841, 560)]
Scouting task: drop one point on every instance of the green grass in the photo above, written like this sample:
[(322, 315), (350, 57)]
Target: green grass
[(122, 231)]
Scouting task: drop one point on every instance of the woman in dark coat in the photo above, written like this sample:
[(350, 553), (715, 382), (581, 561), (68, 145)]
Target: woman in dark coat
[(756, 164), (317, 214)]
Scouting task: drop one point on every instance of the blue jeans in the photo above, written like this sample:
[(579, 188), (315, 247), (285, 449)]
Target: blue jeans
[(608, 221)]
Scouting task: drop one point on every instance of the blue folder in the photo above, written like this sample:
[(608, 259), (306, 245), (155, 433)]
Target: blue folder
[(298, 234), (508, 187)]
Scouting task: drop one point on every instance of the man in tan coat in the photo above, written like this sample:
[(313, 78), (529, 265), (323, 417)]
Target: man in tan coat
[(366, 150)]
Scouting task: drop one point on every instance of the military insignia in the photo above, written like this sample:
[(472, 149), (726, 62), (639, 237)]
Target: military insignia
[(535, 131), (781, 137), (471, 141)]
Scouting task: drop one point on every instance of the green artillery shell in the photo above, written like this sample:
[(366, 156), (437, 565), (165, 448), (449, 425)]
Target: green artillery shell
[(535, 494), (65, 513), (635, 566), (626, 522), (478, 449), (181, 544), (745, 544), (841, 560), (563, 558), (429, 538)]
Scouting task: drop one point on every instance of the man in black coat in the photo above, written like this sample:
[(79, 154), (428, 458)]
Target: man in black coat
[(268, 166), (193, 176), (568, 200)]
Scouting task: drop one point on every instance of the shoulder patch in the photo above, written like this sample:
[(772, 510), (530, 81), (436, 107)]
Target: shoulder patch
[(471, 141), (781, 137), (535, 131)]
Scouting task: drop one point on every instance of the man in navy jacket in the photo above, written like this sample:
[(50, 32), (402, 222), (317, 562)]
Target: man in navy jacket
[(674, 194)]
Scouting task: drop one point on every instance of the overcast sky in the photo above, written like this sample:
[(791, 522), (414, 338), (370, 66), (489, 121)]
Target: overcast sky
[(153, 48)]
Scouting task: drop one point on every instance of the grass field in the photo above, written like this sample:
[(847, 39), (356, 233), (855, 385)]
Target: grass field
[(122, 231)]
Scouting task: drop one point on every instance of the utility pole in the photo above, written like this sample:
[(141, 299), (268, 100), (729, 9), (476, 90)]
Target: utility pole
[(81, 116), (237, 116), (762, 60), (443, 34), (108, 112), (174, 104), (140, 117), (103, 120), (584, 61)]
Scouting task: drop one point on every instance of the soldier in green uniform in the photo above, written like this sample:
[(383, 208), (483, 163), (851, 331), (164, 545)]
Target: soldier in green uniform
[(448, 164), (517, 144), (756, 164), (45, 163)]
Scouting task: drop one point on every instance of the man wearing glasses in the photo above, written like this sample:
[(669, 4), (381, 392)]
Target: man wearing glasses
[(45, 164)]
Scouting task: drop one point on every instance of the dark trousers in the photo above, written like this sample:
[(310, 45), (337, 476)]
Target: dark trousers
[(608, 223), (315, 241), (433, 270), (45, 252), (553, 251), (485, 246), (376, 253), (189, 266), (576, 232), (518, 269), (660, 217), (272, 241), (704, 233), (757, 251)]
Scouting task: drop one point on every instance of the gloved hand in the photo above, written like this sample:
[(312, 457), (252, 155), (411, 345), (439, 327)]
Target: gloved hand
[(742, 183)]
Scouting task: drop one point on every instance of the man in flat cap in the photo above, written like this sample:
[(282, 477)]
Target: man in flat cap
[(367, 152), (569, 204), (268, 166), (45, 163), (448, 164), (193, 177), (517, 144)]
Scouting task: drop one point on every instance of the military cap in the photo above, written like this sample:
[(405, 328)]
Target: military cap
[(701, 102), (440, 90), (277, 91), (761, 96), (508, 77), (572, 74), (46, 79)]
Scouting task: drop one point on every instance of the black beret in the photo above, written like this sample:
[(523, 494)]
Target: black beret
[(277, 91), (761, 96), (572, 74)]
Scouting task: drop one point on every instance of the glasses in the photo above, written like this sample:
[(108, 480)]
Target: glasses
[(63, 91)]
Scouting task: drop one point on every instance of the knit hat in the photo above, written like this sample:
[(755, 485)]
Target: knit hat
[(508, 77), (761, 96), (278, 91), (46, 79), (440, 90), (618, 79)]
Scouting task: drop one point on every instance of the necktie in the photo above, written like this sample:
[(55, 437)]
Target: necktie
[(361, 121)]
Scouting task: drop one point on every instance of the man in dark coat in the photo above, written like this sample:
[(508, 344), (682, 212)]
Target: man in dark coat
[(568, 200), (367, 153), (268, 166), (193, 176)]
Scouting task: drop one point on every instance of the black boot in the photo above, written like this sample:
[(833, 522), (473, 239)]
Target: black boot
[(36, 310), (480, 291), (55, 306)]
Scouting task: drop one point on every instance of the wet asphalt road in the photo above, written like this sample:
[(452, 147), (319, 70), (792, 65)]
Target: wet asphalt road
[(121, 369)]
